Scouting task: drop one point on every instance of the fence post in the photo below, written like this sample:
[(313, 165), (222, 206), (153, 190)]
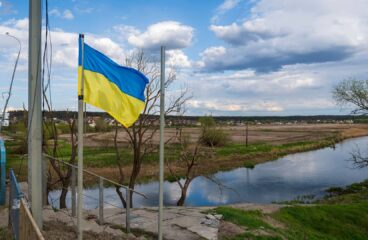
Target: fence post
[(44, 183), (101, 202), (127, 213), (74, 208), (2, 173), (14, 204)]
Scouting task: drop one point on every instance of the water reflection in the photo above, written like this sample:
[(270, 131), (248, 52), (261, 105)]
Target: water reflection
[(284, 179)]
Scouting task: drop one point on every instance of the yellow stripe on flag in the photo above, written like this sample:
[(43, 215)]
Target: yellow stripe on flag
[(102, 93)]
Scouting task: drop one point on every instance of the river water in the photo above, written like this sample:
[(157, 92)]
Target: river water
[(307, 173)]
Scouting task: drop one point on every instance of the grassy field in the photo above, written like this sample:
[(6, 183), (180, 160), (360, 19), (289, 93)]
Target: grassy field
[(266, 142), (341, 215)]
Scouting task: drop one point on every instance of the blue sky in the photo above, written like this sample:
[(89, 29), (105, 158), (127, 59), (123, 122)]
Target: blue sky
[(237, 57)]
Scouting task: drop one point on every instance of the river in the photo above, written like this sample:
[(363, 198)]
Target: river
[(300, 174)]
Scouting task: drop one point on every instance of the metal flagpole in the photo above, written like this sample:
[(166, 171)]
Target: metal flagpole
[(80, 149), (34, 112), (162, 128)]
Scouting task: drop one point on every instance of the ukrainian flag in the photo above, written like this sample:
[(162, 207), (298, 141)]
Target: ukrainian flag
[(116, 89)]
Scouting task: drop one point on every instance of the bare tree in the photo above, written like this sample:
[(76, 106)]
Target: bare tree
[(355, 93), (352, 92), (63, 172), (140, 135), (359, 159), (188, 159), (120, 166)]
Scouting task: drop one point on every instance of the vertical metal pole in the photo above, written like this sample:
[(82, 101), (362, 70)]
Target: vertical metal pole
[(246, 135), (162, 127), (74, 209), (101, 202), (127, 213), (80, 150), (34, 112), (2, 173), (44, 183)]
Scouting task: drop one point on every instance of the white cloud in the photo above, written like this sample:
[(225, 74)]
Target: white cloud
[(224, 7), (67, 14), (177, 58), (171, 34), (64, 62), (279, 33), (55, 12), (229, 106), (1, 4), (228, 5)]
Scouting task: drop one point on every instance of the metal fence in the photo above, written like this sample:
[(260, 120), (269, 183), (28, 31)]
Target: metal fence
[(20, 219), (101, 182), (2, 172)]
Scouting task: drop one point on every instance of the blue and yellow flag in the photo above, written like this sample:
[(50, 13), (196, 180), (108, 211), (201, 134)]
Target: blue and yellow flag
[(116, 89)]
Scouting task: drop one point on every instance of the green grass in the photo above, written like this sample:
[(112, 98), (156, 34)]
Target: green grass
[(236, 148), (250, 236), (341, 221), (256, 148), (355, 193), (341, 215), (250, 219), (5, 234), (335, 221)]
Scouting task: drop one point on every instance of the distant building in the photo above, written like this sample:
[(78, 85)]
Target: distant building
[(6, 119)]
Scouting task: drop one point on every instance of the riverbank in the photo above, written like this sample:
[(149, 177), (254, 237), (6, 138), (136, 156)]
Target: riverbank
[(341, 215), (266, 143), (235, 154)]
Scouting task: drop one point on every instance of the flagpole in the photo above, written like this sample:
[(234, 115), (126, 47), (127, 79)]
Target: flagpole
[(162, 128), (80, 148), (34, 133)]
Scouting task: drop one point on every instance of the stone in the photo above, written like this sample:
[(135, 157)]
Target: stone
[(213, 223), (218, 216), (210, 216)]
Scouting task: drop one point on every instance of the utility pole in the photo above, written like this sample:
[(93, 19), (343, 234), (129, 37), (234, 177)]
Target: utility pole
[(34, 112)]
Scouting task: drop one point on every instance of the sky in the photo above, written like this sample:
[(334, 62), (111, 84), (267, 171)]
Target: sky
[(236, 57)]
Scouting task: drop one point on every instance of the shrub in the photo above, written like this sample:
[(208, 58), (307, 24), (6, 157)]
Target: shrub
[(102, 126), (207, 122), (63, 128), (214, 137)]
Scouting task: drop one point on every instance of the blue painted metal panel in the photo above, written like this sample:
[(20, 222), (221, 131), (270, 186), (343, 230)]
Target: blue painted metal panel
[(2, 172), (14, 203)]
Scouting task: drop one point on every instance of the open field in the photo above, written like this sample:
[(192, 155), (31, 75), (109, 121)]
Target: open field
[(266, 142), (270, 134)]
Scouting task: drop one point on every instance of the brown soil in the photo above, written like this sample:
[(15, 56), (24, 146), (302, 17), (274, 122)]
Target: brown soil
[(274, 134), (228, 230)]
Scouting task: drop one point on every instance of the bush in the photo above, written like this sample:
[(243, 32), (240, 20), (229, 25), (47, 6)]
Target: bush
[(63, 128), (102, 126), (18, 127), (207, 122), (214, 137)]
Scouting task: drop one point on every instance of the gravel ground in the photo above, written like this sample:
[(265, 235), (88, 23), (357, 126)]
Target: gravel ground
[(60, 231)]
